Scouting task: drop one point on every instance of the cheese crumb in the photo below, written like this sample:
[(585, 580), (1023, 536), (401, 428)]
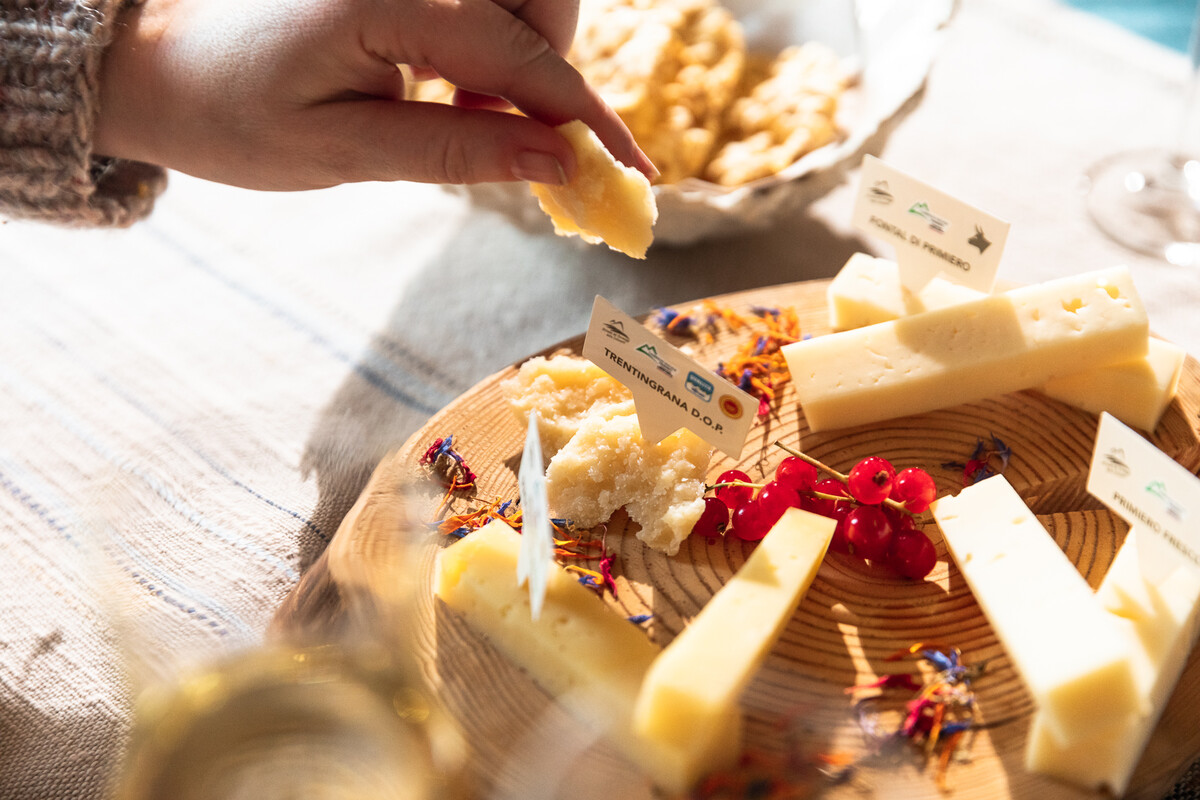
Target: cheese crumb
[(601, 462), (607, 465), (564, 391)]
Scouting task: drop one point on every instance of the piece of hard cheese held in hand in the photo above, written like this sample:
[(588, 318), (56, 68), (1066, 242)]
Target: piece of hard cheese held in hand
[(1071, 655), (690, 696), (606, 202), (998, 344), (591, 659)]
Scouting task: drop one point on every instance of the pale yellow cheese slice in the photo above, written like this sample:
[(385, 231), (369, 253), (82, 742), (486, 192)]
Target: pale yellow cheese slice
[(969, 351), (592, 660), (690, 695), (605, 202), (867, 290), (1161, 622), (1071, 654), (1136, 392)]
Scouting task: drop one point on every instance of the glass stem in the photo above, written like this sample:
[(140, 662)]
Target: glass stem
[(1188, 144)]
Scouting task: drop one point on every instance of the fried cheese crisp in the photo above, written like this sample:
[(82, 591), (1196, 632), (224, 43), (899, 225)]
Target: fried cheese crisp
[(669, 68), (606, 202)]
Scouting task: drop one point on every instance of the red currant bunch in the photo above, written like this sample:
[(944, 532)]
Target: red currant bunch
[(873, 505)]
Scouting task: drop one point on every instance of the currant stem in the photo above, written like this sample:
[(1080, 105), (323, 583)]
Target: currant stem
[(711, 487), (806, 457), (841, 477)]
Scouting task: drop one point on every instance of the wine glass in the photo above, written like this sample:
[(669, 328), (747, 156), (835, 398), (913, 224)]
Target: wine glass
[(1149, 200), (338, 711)]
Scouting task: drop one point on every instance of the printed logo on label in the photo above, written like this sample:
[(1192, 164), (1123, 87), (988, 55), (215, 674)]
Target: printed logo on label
[(615, 329), (730, 406), (1159, 489), (979, 241), (651, 352), (879, 193), (922, 210), (1114, 462), (698, 386)]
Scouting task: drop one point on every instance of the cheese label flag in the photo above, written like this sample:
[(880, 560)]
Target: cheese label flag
[(670, 390), (933, 233), (1157, 496)]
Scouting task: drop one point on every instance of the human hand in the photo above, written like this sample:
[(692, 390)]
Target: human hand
[(301, 94)]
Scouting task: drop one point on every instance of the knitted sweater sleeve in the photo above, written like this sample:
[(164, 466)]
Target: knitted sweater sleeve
[(50, 54)]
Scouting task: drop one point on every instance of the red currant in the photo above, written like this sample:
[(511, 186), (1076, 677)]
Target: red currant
[(713, 520), (748, 523), (868, 532), (774, 499), (912, 554), (870, 480), (733, 496), (797, 473), (839, 543), (914, 488), (819, 505), (898, 518)]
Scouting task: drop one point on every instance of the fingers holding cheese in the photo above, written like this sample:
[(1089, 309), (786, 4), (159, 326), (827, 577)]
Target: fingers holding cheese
[(605, 202)]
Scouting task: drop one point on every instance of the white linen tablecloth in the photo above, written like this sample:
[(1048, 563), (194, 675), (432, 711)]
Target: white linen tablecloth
[(238, 363)]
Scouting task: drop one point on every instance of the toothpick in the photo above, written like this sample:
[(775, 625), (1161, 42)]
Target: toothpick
[(537, 533)]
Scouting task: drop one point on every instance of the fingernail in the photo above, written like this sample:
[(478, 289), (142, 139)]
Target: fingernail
[(531, 165), (647, 166)]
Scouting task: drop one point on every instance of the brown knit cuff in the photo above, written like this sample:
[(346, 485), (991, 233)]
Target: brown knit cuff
[(50, 55)]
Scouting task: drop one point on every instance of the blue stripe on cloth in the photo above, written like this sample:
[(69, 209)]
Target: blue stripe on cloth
[(133, 562), (106, 381), (394, 386), (88, 436)]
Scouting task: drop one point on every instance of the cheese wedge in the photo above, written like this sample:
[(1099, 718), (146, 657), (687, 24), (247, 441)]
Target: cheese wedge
[(867, 290), (1126, 593), (606, 202), (1135, 392), (578, 649), (1071, 654), (1161, 622), (690, 695), (969, 351)]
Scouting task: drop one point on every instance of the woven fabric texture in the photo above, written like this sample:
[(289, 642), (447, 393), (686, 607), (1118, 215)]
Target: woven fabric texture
[(49, 64), (189, 406)]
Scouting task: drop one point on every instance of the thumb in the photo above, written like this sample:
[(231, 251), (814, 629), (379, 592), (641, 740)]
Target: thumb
[(363, 140)]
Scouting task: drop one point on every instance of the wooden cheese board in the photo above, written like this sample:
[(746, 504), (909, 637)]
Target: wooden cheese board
[(854, 616)]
